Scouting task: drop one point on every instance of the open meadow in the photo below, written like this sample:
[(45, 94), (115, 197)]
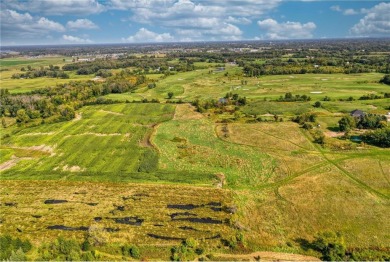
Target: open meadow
[(144, 164)]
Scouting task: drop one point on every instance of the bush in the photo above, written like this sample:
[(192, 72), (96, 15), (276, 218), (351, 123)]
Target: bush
[(331, 245), (379, 137)]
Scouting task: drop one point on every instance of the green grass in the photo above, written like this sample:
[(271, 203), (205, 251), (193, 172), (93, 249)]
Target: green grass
[(13, 66), (317, 189), (192, 144), (6, 63), (110, 138)]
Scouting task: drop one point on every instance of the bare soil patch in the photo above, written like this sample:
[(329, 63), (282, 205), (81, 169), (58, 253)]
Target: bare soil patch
[(269, 256)]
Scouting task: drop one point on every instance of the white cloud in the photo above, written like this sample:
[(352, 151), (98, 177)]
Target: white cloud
[(16, 25), (212, 20), (56, 7), (75, 39), (288, 30), (81, 24), (238, 20), (375, 23), (144, 35), (336, 8), (350, 11)]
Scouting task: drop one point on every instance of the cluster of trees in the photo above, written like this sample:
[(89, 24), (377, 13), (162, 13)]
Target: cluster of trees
[(385, 80), (144, 65), (60, 102), (373, 96), (317, 63), (379, 137), (288, 97), (332, 247), (51, 71), (230, 99), (63, 249), (13, 249), (368, 121)]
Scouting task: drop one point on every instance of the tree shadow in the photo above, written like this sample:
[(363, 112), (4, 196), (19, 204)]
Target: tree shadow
[(304, 244), (334, 129)]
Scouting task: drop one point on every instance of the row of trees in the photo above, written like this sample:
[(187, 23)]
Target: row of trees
[(60, 102), (288, 97), (144, 65)]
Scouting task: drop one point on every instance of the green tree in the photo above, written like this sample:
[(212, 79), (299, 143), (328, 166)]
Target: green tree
[(331, 245), (170, 95), (347, 123), (317, 104), (385, 80), (21, 116), (19, 255)]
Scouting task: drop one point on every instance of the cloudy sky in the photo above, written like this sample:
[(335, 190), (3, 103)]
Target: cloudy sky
[(28, 22)]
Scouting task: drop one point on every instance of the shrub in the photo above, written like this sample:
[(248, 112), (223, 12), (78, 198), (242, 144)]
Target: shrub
[(331, 245)]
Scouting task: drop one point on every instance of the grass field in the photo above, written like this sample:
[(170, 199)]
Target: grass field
[(189, 143), (13, 66), (319, 190), (128, 162), (155, 210), (204, 84), (103, 140)]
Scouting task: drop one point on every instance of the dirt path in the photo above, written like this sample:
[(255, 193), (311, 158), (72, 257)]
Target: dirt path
[(10, 163), (268, 256)]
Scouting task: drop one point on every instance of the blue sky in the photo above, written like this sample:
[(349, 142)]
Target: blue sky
[(29, 22)]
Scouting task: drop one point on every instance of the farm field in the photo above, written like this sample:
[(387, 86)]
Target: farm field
[(178, 151)]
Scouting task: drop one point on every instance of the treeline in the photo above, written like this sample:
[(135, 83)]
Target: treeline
[(289, 97), (368, 121), (143, 65), (63, 249), (317, 65), (59, 103), (51, 71)]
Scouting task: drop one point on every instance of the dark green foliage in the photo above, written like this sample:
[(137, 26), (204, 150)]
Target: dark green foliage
[(234, 242), (188, 250), (288, 97), (131, 250), (318, 137), (66, 250), (371, 121), (306, 117), (379, 137), (347, 123), (331, 245), (14, 247), (170, 95), (385, 80), (317, 104)]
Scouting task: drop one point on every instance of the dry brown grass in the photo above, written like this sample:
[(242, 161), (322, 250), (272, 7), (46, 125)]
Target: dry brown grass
[(148, 202)]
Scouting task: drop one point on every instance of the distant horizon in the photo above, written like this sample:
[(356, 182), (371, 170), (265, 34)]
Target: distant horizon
[(195, 42), (49, 22)]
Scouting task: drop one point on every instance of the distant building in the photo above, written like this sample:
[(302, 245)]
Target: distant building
[(357, 113)]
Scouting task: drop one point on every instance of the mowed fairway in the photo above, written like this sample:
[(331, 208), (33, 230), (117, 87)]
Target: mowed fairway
[(319, 189), (109, 139)]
